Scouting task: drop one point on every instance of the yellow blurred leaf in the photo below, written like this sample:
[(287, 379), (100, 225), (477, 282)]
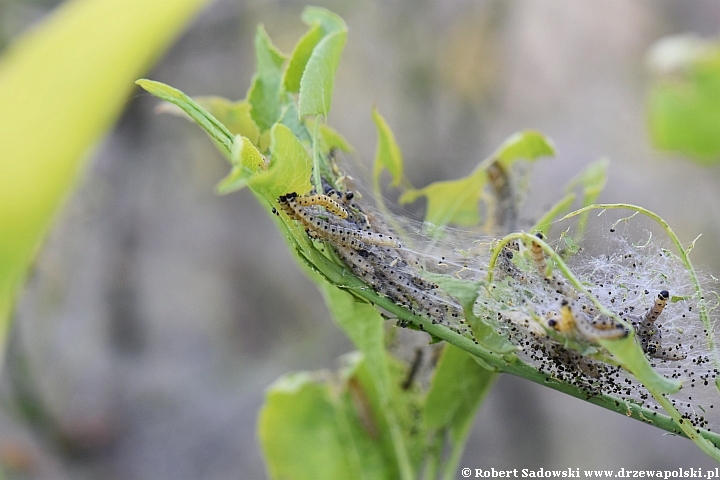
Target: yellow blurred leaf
[(62, 84)]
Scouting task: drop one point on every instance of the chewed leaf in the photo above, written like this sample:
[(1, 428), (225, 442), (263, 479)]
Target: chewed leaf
[(264, 93), (247, 161), (452, 201), (683, 106), (457, 201), (387, 153), (290, 166), (318, 80), (591, 181), (202, 117), (525, 145), (569, 244)]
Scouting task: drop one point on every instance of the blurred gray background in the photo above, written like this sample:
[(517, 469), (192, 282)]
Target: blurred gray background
[(158, 312)]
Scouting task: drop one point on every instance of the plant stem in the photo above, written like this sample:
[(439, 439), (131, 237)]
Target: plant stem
[(459, 437), (435, 450), (401, 453), (317, 177)]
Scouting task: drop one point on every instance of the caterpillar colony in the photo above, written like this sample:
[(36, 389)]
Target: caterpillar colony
[(554, 325)]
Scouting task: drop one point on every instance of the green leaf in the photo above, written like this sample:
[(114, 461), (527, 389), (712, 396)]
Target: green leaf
[(331, 139), (458, 387), (291, 120), (202, 117), (366, 329), (265, 92), (236, 116), (307, 431), (630, 355), (525, 145), (302, 411), (571, 246), (456, 201), (387, 418), (290, 166), (330, 21), (387, 153), (322, 22), (318, 80), (684, 101), (247, 161), (300, 56), (451, 201), (63, 83), (591, 181)]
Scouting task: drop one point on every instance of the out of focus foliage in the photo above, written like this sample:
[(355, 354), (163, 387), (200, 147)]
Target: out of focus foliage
[(684, 102), (62, 85)]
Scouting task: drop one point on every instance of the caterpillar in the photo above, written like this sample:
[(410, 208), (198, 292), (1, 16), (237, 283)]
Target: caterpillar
[(505, 212), (330, 205), (656, 310), (592, 329), (327, 230), (538, 256), (555, 281), (355, 259), (507, 268), (649, 333)]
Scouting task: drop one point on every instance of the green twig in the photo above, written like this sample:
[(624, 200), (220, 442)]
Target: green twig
[(460, 439), (317, 176), (435, 451)]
